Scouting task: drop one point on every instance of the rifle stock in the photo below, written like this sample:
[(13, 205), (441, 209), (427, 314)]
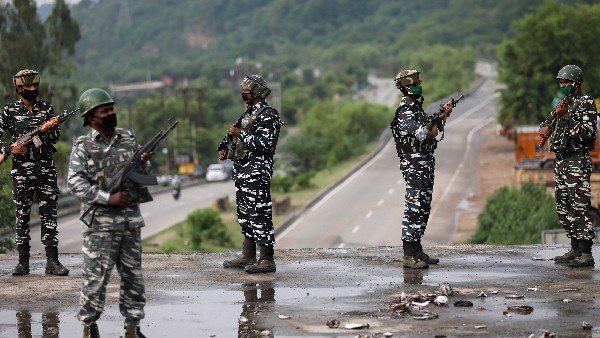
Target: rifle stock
[(440, 122)]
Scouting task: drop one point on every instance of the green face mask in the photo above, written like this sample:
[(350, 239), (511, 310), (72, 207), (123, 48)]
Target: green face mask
[(566, 90), (415, 90)]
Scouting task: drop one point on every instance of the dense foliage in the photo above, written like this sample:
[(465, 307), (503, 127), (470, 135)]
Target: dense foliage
[(550, 37), (7, 208), (206, 225), (516, 215)]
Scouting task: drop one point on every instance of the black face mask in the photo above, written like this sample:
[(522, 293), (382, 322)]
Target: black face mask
[(29, 95), (246, 97), (109, 121)]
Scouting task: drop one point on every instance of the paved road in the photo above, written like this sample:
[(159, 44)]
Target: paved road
[(367, 208), (159, 214)]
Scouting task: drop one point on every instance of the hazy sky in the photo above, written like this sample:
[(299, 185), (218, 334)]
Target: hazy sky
[(42, 2)]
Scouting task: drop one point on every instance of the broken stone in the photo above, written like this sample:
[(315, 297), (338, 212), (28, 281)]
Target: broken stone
[(463, 303), (567, 300), (441, 301), (333, 323), (355, 326), (480, 326), (266, 333), (399, 307), (423, 304), (480, 308), (586, 326), (243, 320), (494, 292), (284, 317), (446, 289), (514, 296), (425, 315), (567, 290), (481, 295), (533, 289), (520, 309)]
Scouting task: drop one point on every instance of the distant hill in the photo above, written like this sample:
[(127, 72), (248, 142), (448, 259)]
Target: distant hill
[(125, 40)]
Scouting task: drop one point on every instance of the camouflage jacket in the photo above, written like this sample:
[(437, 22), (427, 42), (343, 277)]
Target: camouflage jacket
[(577, 132), (93, 162), (260, 141), (409, 129), (18, 120)]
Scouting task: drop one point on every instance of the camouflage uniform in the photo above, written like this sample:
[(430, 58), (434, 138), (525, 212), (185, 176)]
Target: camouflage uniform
[(114, 237), (571, 140), (33, 172), (417, 165), (253, 172)]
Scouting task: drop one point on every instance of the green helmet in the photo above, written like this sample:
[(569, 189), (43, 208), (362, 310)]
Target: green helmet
[(26, 77), (91, 99), (570, 72), (256, 85)]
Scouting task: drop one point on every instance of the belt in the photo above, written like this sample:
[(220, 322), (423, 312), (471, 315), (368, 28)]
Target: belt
[(566, 155)]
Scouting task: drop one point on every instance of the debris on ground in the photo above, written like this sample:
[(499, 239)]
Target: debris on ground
[(533, 289), (494, 292), (568, 290), (333, 323), (425, 315), (446, 289), (520, 309), (480, 326), (284, 317), (441, 301), (243, 320), (356, 326), (567, 300), (463, 303), (481, 295), (514, 296), (586, 326)]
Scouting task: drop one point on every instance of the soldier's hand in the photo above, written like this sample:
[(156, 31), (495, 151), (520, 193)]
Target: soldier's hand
[(233, 130), (146, 156), (50, 125), (119, 199), (19, 149), (221, 155), (433, 132), (561, 110)]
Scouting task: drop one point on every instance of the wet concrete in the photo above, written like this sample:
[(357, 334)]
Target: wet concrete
[(192, 296)]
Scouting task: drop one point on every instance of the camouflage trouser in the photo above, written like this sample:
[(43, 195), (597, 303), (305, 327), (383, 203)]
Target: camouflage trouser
[(101, 251), (573, 194), (418, 172), (39, 177), (254, 209)]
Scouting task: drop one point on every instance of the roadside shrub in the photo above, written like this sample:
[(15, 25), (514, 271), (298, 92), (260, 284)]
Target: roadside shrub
[(206, 225), (282, 183), (7, 209), (516, 215), (168, 247)]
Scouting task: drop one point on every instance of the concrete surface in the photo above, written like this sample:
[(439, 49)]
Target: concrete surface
[(192, 296)]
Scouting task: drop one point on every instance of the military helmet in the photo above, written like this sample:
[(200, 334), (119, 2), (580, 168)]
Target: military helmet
[(256, 85), (407, 77), (91, 99), (26, 77), (570, 72)]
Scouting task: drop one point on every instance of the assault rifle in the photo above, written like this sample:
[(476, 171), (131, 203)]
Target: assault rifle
[(130, 172), (551, 117), (439, 119), (31, 136)]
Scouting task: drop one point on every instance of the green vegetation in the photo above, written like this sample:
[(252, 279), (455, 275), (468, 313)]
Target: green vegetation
[(550, 37), (7, 208), (516, 215)]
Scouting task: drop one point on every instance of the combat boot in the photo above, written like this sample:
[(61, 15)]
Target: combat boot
[(91, 331), (586, 258), (569, 255), (265, 263), (53, 266), (248, 256), (421, 255), (22, 267), (133, 331), (410, 259)]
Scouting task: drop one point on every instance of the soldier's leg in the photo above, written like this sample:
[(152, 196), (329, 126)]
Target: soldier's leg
[(261, 219), (24, 180), (411, 222), (47, 195), (243, 202), (562, 192), (100, 250), (580, 170), (129, 264)]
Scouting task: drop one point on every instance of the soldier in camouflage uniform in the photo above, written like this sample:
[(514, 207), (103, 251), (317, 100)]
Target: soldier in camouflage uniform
[(251, 143), (33, 169), (113, 236), (572, 130), (415, 143)]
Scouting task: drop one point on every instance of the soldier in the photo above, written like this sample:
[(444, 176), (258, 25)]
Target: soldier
[(33, 169), (415, 144), (572, 128), (251, 143), (114, 233)]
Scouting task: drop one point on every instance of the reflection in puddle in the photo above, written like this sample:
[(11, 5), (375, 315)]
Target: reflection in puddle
[(259, 299), (50, 323)]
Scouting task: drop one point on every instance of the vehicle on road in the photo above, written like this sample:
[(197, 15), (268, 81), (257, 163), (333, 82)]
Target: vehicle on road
[(217, 172)]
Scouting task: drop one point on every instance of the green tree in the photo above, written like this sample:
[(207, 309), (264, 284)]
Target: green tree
[(206, 225), (63, 34), (7, 209), (552, 36)]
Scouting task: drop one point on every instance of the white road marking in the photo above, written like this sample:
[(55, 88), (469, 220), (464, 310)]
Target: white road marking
[(352, 177), (356, 228), (341, 246), (369, 214), (400, 181), (391, 191), (380, 203)]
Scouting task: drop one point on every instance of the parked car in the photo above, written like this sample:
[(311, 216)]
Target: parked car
[(217, 172)]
